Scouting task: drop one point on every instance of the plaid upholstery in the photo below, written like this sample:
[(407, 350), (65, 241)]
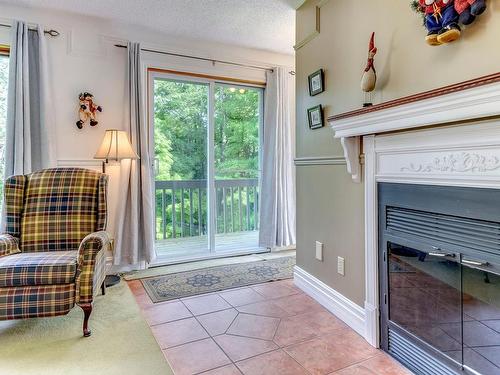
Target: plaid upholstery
[(8, 245), (25, 269), (14, 203), (61, 206), (57, 217), (91, 256), (36, 301)]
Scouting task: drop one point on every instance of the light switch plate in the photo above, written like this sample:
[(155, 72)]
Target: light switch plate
[(341, 266), (319, 251)]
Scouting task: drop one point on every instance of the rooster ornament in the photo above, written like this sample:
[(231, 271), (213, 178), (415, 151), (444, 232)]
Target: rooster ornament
[(369, 79)]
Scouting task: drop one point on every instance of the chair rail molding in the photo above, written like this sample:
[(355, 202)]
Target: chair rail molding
[(319, 160), (471, 100)]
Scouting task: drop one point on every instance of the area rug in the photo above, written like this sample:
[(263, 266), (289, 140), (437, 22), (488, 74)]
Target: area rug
[(121, 342), (213, 279)]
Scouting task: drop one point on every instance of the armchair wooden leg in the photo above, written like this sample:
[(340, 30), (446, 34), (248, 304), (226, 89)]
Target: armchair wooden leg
[(103, 288), (87, 310)]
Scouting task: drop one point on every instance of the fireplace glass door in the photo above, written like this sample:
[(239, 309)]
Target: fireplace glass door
[(481, 309), (425, 297)]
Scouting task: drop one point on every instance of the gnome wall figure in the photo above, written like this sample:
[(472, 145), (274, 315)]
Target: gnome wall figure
[(369, 79)]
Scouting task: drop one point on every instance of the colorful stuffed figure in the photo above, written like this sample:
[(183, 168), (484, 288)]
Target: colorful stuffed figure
[(441, 21), (88, 110), (443, 17), (469, 10)]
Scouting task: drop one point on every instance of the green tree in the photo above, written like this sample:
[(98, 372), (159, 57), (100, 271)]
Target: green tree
[(180, 130)]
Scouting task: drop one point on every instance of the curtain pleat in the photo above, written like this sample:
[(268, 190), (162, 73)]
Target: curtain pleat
[(134, 235), (30, 131), (277, 195)]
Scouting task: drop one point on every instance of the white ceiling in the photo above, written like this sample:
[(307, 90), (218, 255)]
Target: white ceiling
[(263, 24)]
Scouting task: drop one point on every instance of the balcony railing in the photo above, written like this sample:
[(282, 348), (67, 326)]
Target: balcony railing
[(181, 207)]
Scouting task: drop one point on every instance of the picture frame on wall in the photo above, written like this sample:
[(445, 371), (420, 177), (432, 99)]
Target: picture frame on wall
[(316, 82), (315, 117)]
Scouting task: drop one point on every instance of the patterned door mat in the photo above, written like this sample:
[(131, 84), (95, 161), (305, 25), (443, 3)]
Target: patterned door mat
[(213, 279)]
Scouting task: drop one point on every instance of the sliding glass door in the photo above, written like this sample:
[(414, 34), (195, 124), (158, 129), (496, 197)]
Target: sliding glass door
[(237, 149), (207, 157)]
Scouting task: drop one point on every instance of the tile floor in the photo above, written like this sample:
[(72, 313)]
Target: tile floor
[(266, 329)]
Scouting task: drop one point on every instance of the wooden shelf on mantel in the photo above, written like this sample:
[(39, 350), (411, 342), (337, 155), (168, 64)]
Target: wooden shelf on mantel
[(469, 100)]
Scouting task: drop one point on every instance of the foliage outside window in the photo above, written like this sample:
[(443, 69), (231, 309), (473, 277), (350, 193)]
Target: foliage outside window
[(181, 140)]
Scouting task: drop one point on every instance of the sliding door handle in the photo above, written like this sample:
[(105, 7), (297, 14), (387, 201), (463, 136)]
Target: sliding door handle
[(475, 263), (442, 255)]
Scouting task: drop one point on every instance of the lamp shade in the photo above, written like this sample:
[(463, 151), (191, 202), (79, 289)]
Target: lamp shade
[(116, 146)]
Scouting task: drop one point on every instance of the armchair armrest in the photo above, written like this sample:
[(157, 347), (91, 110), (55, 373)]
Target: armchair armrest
[(91, 267), (8, 245)]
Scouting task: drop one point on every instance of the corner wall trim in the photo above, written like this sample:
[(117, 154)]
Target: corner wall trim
[(351, 313), (320, 160)]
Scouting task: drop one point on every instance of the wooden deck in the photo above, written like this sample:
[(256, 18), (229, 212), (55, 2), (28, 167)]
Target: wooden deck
[(224, 243)]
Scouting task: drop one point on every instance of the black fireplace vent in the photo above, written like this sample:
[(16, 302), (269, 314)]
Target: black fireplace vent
[(461, 232), (415, 358)]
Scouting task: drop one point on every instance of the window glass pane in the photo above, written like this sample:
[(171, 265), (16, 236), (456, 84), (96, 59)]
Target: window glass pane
[(237, 145), (180, 141)]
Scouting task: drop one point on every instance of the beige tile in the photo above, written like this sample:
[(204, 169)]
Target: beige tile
[(238, 348), (165, 312), (260, 327), (379, 365), (297, 304), (292, 330), (327, 354), (273, 363), (218, 322), (178, 332), (225, 370), (196, 357), (205, 304), (265, 308), (241, 297), (274, 290)]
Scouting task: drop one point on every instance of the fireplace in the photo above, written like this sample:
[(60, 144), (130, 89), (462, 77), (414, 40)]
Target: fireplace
[(439, 277)]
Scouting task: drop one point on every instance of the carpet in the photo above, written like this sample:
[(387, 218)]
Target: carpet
[(121, 342), (213, 279)]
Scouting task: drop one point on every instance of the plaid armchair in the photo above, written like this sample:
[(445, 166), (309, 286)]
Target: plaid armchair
[(52, 254)]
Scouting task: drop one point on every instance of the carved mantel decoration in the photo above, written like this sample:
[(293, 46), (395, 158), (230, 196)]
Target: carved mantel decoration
[(470, 100), (459, 162)]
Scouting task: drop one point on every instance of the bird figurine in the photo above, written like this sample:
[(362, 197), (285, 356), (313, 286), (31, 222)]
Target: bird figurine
[(369, 79)]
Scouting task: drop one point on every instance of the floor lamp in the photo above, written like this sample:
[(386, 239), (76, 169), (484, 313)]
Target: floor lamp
[(115, 146)]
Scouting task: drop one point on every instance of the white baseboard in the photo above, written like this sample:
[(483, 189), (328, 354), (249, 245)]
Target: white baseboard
[(351, 313)]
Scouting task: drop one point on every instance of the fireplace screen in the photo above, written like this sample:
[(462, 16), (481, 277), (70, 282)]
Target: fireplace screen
[(447, 301), (440, 291)]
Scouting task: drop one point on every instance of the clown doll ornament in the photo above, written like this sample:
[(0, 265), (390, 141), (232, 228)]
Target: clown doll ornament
[(442, 18), (441, 21)]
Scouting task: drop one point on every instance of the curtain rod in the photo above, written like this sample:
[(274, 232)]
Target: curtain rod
[(203, 59), (50, 32)]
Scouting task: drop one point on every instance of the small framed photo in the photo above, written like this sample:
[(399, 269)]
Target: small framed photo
[(316, 83), (315, 117)]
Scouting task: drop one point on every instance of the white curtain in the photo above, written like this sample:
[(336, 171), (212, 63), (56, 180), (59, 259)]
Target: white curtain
[(30, 134), (277, 196), (135, 218)]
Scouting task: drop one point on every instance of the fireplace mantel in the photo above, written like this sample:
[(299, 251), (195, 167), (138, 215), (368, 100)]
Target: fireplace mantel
[(471, 100)]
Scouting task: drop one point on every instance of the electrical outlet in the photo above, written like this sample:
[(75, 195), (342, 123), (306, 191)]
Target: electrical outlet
[(341, 266), (319, 251)]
